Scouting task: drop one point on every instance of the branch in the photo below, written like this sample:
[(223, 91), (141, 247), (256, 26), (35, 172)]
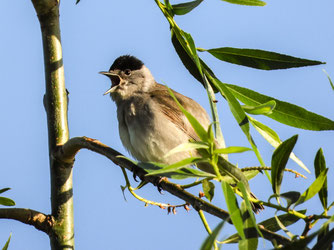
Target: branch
[(55, 103), (67, 152), (31, 217)]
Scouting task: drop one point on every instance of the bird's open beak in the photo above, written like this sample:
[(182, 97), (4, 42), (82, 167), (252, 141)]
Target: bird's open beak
[(115, 80)]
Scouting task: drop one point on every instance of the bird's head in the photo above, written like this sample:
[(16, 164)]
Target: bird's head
[(128, 76)]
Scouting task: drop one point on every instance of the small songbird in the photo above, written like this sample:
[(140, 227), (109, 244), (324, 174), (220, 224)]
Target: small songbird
[(150, 122)]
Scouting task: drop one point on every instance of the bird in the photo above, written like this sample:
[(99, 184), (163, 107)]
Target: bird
[(150, 122)]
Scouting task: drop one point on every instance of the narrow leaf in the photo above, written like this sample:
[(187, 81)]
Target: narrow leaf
[(290, 197), (5, 247), (326, 241), (238, 113), (251, 236), (6, 201), (281, 225), (179, 174), (4, 190), (188, 146), (260, 59), (200, 131), (270, 224), (235, 107), (284, 112), (251, 221), (188, 61), (279, 160), (210, 240), (180, 164), (231, 150), (233, 209), (314, 188), (329, 79), (184, 8), (263, 109), (320, 166), (247, 2), (271, 136), (208, 189)]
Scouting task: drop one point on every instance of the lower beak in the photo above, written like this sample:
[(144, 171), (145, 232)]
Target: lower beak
[(115, 80), (109, 90)]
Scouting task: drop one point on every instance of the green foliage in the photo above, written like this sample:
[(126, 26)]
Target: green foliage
[(315, 187), (210, 240), (259, 59), (184, 8), (284, 112), (254, 104), (208, 189), (278, 162), (247, 2), (5, 247), (233, 209), (319, 167), (6, 201)]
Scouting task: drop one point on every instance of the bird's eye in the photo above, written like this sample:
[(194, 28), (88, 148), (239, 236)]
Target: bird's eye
[(127, 72)]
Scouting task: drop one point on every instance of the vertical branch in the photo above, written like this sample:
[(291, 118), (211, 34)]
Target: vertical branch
[(55, 102)]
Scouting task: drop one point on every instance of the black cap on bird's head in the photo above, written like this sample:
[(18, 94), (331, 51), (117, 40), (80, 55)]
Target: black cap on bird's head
[(126, 62), (128, 74)]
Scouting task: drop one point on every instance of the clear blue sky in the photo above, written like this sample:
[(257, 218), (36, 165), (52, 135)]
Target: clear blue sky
[(94, 33)]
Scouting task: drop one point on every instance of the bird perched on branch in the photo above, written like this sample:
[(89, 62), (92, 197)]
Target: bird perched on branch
[(150, 121)]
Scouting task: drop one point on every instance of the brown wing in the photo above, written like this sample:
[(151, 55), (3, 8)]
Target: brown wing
[(169, 108)]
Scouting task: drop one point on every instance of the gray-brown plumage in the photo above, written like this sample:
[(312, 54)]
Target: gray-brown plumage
[(150, 122)]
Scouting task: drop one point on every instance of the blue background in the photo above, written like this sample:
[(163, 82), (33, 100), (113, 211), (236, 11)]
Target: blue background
[(94, 33)]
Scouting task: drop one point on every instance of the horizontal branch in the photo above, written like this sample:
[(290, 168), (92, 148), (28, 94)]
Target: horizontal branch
[(31, 217), (67, 153)]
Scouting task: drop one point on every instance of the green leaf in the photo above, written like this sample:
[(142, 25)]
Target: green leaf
[(270, 224), (286, 220), (232, 171), (208, 189), (187, 60), (314, 188), (271, 136), (210, 240), (231, 150), (238, 113), (320, 166), (250, 226), (279, 160), (200, 131), (4, 190), (284, 112), (281, 225), (247, 2), (325, 239), (260, 59), (6, 201), (188, 146), (180, 164), (290, 197), (263, 109), (251, 221), (184, 8), (233, 209), (235, 107), (180, 174), (329, 79), (5, 247)]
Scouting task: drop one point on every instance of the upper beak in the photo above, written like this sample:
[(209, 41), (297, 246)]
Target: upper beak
[(115, 80)]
